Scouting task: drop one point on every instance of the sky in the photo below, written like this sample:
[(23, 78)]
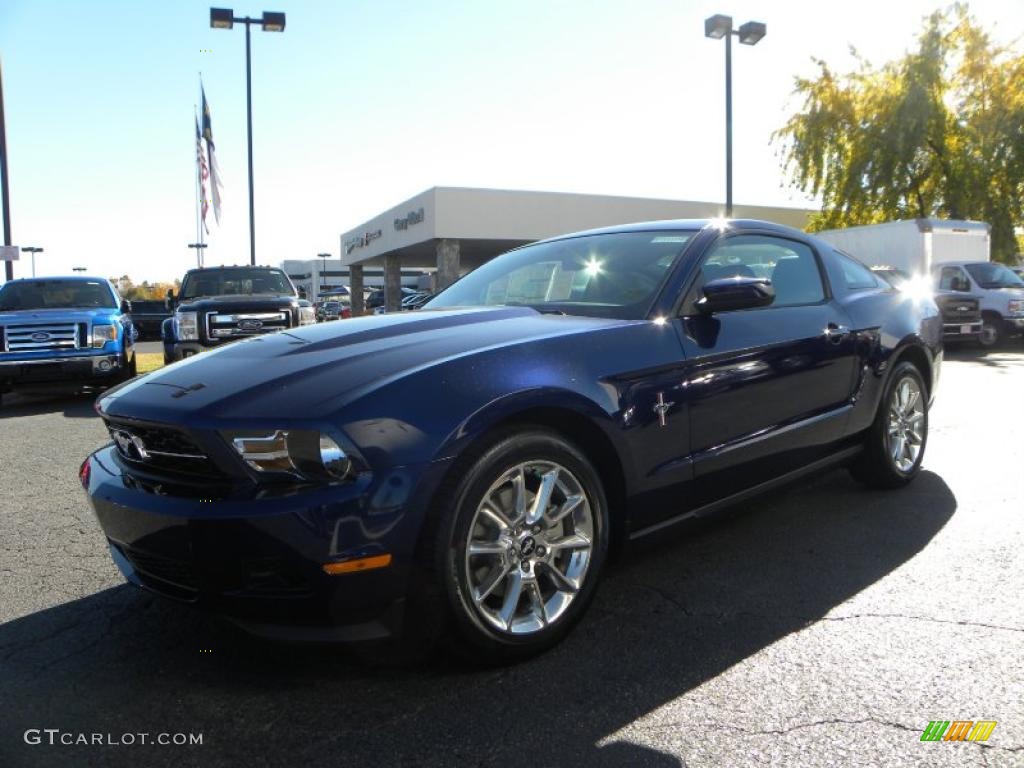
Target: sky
[(360, 104)]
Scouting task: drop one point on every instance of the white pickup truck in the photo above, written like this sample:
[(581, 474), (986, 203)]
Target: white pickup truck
[(954, 255)]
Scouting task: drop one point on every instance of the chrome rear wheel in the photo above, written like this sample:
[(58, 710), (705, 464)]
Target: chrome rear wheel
[(905, 433)]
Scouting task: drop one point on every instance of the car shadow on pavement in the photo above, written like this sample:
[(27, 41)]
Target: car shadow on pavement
[(74, 405), (121, 661)]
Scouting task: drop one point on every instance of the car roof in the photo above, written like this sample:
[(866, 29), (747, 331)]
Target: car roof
[(674, 225), (225, 267), (46, 278)]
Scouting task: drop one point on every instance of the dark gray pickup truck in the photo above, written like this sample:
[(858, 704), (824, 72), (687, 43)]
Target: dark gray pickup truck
[(223, 304)]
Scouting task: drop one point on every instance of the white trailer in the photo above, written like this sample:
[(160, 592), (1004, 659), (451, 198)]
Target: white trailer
[(914, 246)]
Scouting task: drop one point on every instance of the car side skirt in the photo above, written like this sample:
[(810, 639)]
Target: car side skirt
[(736, 498)]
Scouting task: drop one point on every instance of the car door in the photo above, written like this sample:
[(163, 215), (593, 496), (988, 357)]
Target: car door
[(768, 388)]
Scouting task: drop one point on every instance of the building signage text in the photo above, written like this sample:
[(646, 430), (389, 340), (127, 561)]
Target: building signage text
[(360, 241), (412, 217)]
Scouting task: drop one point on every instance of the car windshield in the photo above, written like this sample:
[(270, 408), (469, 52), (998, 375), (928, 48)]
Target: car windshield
[(230, 282), (610, 275), (56, 294), (989, 275)]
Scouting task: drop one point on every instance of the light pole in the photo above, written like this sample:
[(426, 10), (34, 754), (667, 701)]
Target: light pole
[(716, 27), (323, 272), (224, 18), (33, 250), (199, 253)]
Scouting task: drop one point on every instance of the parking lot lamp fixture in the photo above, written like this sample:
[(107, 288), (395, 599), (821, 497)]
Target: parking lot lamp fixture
[(717, 27), (224, 18)]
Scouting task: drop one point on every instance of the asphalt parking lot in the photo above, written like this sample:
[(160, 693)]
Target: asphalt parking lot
[(824, 626)]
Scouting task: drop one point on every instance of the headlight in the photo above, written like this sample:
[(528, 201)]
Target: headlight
[(307, 316), (297, 452), (186, 326), (1016, 306), (101, 334)]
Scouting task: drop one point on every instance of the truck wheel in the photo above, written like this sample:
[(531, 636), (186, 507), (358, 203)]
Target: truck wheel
[(991, 332), (895, 443)]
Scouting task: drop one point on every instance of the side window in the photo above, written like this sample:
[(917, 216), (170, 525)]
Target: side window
[(953, 279), (856, 276), (790, 266)]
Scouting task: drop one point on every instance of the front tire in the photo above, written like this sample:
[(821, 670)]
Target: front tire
[(991, 332), (520, 547), (895, 443)]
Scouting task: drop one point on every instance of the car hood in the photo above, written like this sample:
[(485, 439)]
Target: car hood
[(310, 372), (34, 316)]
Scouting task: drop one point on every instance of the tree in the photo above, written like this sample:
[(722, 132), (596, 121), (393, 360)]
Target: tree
[(144, 290), (935, 133)]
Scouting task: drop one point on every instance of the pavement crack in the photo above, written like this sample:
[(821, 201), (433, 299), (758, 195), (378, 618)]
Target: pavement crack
[(911, 617)]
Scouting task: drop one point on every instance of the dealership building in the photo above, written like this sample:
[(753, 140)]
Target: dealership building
[(446, 231)]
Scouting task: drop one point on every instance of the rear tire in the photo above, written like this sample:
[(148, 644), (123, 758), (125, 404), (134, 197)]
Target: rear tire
[(895, 443), (518, 573)]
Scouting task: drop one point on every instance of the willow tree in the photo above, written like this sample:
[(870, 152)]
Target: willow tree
[(939, 132)]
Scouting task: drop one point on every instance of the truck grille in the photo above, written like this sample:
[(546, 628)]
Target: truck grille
[(41, 337), (956, 310), (234, 326), (162, 450)]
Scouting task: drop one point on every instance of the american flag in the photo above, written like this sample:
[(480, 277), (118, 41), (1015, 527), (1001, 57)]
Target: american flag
[(214, 170), (204, 174)]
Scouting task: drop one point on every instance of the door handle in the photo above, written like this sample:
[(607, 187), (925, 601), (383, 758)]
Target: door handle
[(835, 333)]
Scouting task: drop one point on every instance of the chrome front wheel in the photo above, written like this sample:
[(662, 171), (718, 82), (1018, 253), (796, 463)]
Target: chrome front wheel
[(529, 546)]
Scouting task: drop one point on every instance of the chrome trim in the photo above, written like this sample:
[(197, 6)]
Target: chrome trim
[(272, 321), (25, 337), (47, 360)]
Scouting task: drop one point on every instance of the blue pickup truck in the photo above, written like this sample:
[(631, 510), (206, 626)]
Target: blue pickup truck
[(64, 332)]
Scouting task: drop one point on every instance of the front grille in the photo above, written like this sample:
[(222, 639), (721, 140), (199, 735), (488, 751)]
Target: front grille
[(41, 337), (956, 310), (178, 573), (244, 324), (161, 450)]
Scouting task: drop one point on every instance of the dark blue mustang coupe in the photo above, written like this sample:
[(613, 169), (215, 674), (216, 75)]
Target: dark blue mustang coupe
[(476, 461)]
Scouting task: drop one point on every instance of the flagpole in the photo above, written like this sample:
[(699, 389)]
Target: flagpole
[(199, 200)]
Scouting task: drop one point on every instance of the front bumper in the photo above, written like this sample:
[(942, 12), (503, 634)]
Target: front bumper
[(961, 331), (1015, 324), (78, 369), (257, 558)]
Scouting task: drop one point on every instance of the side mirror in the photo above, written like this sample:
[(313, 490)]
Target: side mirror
[(730, 293), (169, 301), (126, 307), (302, 292), (961, 285)]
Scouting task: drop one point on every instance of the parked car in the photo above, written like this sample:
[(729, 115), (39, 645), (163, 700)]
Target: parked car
[(468, 469), (217, 305), (375, 299), (998, 290), (64, 332), (148, 316), (961, 313), (416, 300)]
